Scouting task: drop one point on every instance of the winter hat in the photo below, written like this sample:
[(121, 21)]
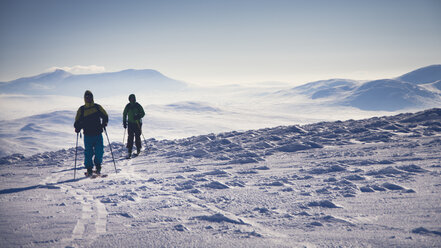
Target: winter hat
[(132, 98), (88, 93)]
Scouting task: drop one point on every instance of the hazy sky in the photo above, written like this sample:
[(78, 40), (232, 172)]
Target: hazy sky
[(222, 41)]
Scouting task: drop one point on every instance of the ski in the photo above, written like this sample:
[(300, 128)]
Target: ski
[(94, 175), (88, 176), (134, 155), (99, 175)]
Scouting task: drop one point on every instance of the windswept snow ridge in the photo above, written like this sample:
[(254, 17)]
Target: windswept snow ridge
[(367, 183)]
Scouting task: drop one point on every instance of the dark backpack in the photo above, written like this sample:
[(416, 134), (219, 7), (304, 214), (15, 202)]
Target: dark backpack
[(82, 110)]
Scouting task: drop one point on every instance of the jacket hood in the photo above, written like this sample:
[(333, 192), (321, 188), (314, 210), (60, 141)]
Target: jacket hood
[(88, 93), (132, 98)]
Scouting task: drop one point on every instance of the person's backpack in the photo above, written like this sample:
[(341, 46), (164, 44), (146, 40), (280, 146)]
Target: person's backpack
[(82, 110)]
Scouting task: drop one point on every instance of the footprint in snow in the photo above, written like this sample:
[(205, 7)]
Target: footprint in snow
[(324, 204), (185, 185), (216, 185), (126, 215), (412, 168), (366, 189), (355, 178), (391, 186), (247, 172), (424, 231), (219, 218), (180, 228)]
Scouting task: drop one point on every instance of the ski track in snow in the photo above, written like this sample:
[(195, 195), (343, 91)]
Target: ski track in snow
[(93, 212), (367, 183)]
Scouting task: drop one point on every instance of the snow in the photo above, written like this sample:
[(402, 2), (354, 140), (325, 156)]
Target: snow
[(168, 116), (423, 75), (414, 90), (225, 166), (63, 83), (177, 110), (356, 183), (388, 94)]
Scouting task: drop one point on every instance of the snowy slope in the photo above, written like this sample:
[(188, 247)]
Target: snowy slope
[(63, 83), (428, 74), (43, 132), (367, 183), (391, 95), (53, 130), (323, 89), (418, 89), (194, 110)]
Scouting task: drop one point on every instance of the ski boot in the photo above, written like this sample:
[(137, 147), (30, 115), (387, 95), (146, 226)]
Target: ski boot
[(89, 172)]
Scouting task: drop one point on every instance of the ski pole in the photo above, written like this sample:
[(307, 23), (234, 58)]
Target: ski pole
[(124, 137), (76, 148), (110, 149), (145, 142)]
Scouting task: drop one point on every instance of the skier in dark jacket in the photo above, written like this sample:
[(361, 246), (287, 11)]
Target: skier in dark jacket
[(133, 112), (92, 118)]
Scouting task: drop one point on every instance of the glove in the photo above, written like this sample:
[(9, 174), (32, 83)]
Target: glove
[(104, 125), (125, 124), (78, 125)]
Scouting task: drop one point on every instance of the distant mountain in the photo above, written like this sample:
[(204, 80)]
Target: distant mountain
[(326, 88), (389, 95), (61, 82), (423, 75), (417, 89)]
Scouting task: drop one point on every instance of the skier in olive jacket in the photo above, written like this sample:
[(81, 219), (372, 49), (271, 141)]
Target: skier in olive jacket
[(133, 112), (92, 118)]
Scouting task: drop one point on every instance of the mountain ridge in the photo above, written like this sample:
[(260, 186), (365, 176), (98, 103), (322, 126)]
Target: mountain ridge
[(424, 75), (60, 82), (420, 88), (417, 89)]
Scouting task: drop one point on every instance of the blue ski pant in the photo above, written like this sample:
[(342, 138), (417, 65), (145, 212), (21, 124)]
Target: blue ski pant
[(93, 145)]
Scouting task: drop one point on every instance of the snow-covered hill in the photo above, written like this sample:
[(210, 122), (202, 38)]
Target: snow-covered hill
[(43, 132), (63, 83), (390, 95), (332, 88), (366, 183), (418, 89), (428, 74), (193, 110), (415, 90)]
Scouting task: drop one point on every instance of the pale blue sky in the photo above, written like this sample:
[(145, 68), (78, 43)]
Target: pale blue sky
[(222, 41)]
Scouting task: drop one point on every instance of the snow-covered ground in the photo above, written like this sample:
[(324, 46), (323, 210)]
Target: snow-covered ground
[(358, 183), (37, 112), (34, 124)]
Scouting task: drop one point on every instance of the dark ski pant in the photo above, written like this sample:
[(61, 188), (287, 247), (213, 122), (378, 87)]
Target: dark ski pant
[(93, 145), (134, 131)]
